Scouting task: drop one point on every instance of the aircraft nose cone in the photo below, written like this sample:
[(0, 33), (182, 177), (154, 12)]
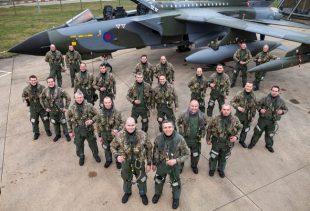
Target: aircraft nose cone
[(38, 44)]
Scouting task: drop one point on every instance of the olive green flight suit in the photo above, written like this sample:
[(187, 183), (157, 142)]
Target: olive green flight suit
[(142, 92), (31, 94), (73, 60), (107, 81), (198, 86), (192, 126), (167, 148), (135, 148), (248, 102), (78, 114), (166, 69), (108, 120), (245, 56), (219, 130), (221, 89), (267, 122), (84, 82), (147, 70), (163, 97), (263, 57), (56, 62), (53, 99)]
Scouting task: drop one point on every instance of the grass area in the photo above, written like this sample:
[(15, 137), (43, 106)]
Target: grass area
[(17, 25)]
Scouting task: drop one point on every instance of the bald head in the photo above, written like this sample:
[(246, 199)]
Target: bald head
[(194, 106), (130, 125)]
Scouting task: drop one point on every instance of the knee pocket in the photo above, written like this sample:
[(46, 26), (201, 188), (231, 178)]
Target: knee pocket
[(159, 179), (211, 103), (214, 154)]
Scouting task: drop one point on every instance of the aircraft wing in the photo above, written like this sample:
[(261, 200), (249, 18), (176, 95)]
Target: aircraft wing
[(281, 23), (223, 20)]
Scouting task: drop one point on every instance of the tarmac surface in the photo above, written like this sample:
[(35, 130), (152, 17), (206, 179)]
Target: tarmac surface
[(43, 175)]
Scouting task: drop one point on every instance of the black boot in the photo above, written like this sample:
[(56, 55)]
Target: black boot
[(175, 203), (211, 173), (155, 198), (107, 164), (56, 138), (125, 197), (36, 136), (81, 161), (118, 165), (195, 170), (97, 158), (68, 138), (48, 133), (144, 199)]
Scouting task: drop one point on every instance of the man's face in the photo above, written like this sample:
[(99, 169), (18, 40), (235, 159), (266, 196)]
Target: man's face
[(275, 92), (79, 99), (107, 103), (194, 106), (162, 80), (143, 59), (33, 81), (130, 125), (82, 67), (50, 83), (243, 46), (219, 69), (226, 110), (163, 60), (139, 78), (265, 48), (199, 71), (168, 128), (71, 48), (248, 87), (102, 69), (52, 48)]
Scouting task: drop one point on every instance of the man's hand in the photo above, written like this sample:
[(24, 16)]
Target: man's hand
[(102, 89), (153, 168), (242, 62), (233, 139), (209, 142), (100, 140), (148, 168), (263, 110), (64, 110), (120, 159), (48, 110), (176, 109), (212, 85), (171, 162), (71, 134), (88, 122), (137, 102), (241, 109), (280, 112), (114, 132)]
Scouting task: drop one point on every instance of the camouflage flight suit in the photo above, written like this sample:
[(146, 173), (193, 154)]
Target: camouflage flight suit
[(264, 57), (31, 94), (136, 148), (246, 100), (163, 97), (73, 61), (78, 114), (53, 99), (56, 62), (147, 70), (267, 122), (245, 56), (221, 89), (166, 69), (219, 130), (198, 86), (84, 82), (107, 121), (105, 80), (193, 127), (142, 92), (167, 148)]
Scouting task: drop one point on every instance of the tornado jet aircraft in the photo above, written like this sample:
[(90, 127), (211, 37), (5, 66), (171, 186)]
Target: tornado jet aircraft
[(219, 24)]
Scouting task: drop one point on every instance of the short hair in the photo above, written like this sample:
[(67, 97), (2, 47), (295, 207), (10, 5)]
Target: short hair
[(32, 76), (139, 73), (83, 63), (167, 121), (50, 77), (78, 93), (275, 86), (102, 65), (220, 65), (162, 75), (144, 55)]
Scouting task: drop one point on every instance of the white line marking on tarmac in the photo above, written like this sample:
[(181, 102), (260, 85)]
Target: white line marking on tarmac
[(5, 73)]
